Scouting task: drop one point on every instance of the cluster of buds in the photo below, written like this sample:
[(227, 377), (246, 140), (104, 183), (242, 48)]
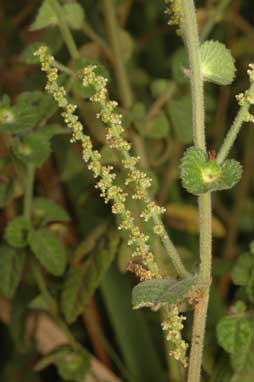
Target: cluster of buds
[(173, 326), (247, 98), (106, 176), (115, 140), (175, 13)]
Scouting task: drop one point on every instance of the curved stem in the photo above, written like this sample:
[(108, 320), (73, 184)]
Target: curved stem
[(192, 41), (235, 129), (67, 36), (214, 18)]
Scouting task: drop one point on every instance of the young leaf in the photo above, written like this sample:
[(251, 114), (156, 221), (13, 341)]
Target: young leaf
[(40, 303), (154, 293), (33, 148), (70, 297), (74, 15), (72, 364), (241, 271), (233, 333), (49, 250), (217, 63), (180, 113), (11, 267), (156, 128), (45, 17), (74, 295), (200, 174), (17, 231), (158, 86), (46, 210)]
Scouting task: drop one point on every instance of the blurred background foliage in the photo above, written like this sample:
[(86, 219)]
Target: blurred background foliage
[(60, 251)]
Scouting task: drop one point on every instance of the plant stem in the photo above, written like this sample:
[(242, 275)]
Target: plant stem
[(197, 342), (28, 197), (67, 36), (121, 74), (235, 129), (192, 42), (200, 311)]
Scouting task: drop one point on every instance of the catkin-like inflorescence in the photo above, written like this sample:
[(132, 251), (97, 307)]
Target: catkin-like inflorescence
[(173, 327), (113, 120), (247, 98), (173, 9), (105, 179), (109, 191)]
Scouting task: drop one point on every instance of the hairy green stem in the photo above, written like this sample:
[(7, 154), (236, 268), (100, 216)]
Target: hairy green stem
[(67, 36), (200, 311), (235, 129), (192, 42), (113, 33), (28, 197)]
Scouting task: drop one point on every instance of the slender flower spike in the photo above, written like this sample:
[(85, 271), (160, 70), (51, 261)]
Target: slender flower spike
[(109, 191), (175, 13), (113, 120), (173, 326)]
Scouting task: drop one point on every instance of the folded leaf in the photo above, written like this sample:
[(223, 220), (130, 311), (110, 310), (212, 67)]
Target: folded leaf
[(154, 293)]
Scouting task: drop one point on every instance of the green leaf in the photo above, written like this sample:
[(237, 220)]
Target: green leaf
[(50, 131), (70, 297), (33, 148), (45, 17), (179, 63), (27, 56), (200, 174), (81, 283), (40, 303), (49, 250), (17, 231), (74, 15), (11, 267), (180, 113), (126, 43), (158, 87), (217, 63), (154, 293), (72, 364), (156, 128), (46, 210), (242, 269), (233, 333), (17, 119)]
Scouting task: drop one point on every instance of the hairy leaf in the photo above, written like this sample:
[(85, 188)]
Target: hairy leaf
[(11, 267), (49, 250), (154, 293), (217, 63), (17, 231)]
